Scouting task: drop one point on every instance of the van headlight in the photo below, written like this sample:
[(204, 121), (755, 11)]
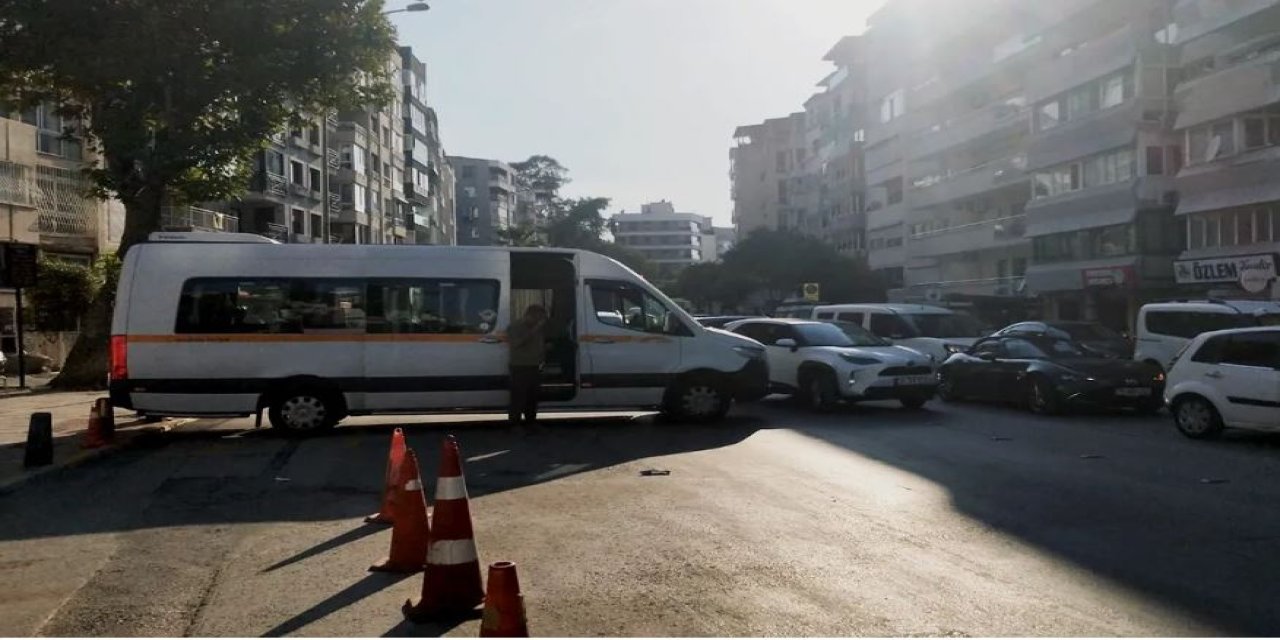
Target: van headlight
[(748, 351)]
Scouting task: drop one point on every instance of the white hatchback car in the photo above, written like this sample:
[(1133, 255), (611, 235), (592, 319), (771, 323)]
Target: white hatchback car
[(823, 363), (1227, 378)]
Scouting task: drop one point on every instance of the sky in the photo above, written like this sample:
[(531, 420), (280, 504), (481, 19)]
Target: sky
[(638, 98)]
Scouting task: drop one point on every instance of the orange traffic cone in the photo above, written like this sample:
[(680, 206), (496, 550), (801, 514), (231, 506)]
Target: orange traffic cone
[(451, 582), (503, 604), (108, 417), (386, 511), (94, 434), (411, 532)]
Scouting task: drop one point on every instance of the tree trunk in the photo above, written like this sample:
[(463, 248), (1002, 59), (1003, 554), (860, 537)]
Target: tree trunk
[(86, 365)]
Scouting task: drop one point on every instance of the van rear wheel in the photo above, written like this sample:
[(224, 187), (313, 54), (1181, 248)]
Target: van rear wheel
[(303, 411)]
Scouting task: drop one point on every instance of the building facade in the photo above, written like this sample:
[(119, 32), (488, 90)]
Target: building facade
[(767, 175), (1228, 123), (668, 239), (429, 194), (486, 199)]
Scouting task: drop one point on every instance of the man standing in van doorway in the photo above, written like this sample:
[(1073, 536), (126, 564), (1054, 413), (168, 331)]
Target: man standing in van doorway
[(528, 349)]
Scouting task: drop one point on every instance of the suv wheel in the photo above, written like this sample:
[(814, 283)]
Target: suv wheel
[(1196, 417), (819, 391)]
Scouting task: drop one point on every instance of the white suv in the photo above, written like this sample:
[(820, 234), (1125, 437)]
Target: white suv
[(1227, 378), (823, 363), (1164, 328), (934, 331)]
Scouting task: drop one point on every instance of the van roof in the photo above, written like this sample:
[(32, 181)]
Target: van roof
[(1216, 306), (892, 307)]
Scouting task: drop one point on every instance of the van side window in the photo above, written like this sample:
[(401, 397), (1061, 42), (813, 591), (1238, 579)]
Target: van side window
[(266, 305), (623, 305), (851, 316), (1186, 324), (888, 325), (433, 306), (826, 315)]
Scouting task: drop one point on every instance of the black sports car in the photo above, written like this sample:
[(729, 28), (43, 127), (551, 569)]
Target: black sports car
[(1048, 375), (1095, 338)]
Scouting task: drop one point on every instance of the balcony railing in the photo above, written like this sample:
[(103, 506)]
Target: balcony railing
[(66, 209), (299, 190), (277, 232), (1006, 286), (989, 119), (333, 159), (17, 185), (973, 236), (275, 185), (197, 219), (949, 185)]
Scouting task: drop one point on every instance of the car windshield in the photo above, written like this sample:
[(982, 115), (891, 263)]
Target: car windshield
[(860, 337), (823, 335), (1090, 332), (944, 325)]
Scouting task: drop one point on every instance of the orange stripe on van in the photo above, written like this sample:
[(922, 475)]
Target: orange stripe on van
[(314, 337), (619, 339)]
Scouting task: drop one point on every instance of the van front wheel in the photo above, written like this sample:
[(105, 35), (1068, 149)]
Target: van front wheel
[(698, 399), (303, 411)]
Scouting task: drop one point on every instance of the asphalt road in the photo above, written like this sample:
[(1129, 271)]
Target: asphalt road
[(954, 520)]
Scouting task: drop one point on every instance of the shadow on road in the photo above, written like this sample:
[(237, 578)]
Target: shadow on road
[(1195, 524), (365, 587)]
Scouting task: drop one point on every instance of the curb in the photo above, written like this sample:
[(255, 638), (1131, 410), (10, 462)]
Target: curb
[(123, 442)]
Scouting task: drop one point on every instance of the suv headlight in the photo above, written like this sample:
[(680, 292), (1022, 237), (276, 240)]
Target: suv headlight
[(858, 360), (748, 351), (953, 349)]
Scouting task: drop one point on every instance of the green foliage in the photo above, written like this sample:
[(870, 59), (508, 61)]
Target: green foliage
[(776, 263), (576, 223), (64, 293), (106, 275), (540, 174), (178, 95), (520, 235)]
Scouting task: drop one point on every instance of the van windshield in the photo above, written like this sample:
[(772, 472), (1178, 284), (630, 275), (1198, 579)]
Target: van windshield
[(944, 325)]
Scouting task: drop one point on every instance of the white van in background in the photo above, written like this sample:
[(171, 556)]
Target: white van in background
[(1164, 328), (933, 331), (234, 324)]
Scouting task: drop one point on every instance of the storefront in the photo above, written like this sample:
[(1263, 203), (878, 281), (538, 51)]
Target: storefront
[(1108, 292), (1248, 276)]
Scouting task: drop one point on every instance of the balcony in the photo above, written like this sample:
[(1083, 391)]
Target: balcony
[(273, 185), (974, 236), (277, 232), (399, 228), (971, 126), (932, 190), (299, 190), (197, 219), (1245, 87), (65, 210), (17, 185), (881, 217), (333, 159)]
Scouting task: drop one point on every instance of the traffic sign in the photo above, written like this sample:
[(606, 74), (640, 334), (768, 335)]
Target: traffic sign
[(811, 292), (20, 269)]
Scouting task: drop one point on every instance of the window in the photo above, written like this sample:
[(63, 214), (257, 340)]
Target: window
[(1042, 185), (1254, 349), (890, 326), (358, 198), (313, 134), (1255, 133), (891, 107), (315, 179), (299, 221), (317, 227), (624, 305), (1189, 324), (848, 316), (1273, 130), (271, 305), (1048, 116), (1198, 145), (1222, 141), (1173, 155), (1022, 349), (991, 348), (433, 306), (1155, 161), (1112, 91), (353, 158), (274, 162), (297, 172), (758, 331), (894, 188), (1081, 101)]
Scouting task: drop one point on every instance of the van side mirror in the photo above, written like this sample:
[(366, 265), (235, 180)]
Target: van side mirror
[(787, 343)]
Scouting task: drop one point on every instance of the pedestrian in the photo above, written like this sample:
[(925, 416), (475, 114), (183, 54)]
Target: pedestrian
[(528, 349)]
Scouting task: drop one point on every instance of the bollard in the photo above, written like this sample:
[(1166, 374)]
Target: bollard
[(107, 414), (39, 451)]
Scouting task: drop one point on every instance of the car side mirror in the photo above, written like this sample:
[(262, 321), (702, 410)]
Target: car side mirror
[(787, 343)]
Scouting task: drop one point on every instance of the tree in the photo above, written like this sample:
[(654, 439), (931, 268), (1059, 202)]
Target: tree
[(576, 223), (63, 295), (779, 262), (177, 96), (540, 174), (520, 235)]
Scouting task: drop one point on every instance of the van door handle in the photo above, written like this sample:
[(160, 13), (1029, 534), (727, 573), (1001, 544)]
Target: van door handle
[(490, 340), (1213, 374)]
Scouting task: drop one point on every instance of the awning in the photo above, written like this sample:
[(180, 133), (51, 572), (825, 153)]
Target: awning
[(1071, 276), (1106, 206)]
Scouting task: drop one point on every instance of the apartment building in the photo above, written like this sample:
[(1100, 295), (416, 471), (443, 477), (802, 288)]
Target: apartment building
[(486, 199), (767, 175), (669, 239), (1101, 156), (429, 194), (1229, 127)]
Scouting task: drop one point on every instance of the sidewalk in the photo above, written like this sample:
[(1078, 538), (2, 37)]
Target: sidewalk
[(70, 411)]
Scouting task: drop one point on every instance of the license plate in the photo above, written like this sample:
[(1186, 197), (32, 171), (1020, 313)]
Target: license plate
[(913, 381), (1133, 392)]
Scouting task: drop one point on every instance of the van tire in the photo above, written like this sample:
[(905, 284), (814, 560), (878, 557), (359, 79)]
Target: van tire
[(697, 398), (304, 409)]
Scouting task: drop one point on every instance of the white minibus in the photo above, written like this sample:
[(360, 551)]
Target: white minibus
[(215, 324)]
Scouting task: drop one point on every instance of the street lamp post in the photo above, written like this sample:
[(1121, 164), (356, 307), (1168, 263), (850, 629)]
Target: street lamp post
[(412, 7)]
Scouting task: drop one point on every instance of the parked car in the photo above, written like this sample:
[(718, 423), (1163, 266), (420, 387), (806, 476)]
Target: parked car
[(35, 363), (1048, 375), (1093, 337), (934, 331), (823, 364), (1227, 378), (718, 322), (1165, 328)]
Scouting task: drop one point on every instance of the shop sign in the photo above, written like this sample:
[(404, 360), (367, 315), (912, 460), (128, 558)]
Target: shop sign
[(1227, 269), (1108, 277)]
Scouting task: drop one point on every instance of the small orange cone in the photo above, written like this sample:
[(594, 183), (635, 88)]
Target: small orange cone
[(395, 457), (94, 435), (451, 582), (411, 532), (503, 604)]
